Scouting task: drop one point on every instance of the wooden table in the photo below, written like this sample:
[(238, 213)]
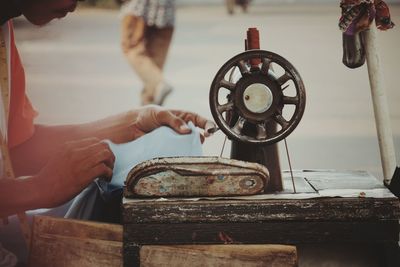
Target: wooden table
[(328, 206)]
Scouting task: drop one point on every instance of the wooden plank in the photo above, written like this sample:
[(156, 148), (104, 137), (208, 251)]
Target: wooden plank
[(77, 228), (218, 255), (324, 209), (261, 233), (67, 243)]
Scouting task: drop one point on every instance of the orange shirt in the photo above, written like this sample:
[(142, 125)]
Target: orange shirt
[(22, 114)]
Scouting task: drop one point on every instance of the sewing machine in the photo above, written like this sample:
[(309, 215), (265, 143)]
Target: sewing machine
[(257, 99)]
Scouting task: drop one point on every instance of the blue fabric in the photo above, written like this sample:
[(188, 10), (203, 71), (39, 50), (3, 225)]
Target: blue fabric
[(163, 142)]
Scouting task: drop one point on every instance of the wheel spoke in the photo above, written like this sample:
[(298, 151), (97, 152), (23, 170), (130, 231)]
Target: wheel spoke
[(261, 131), (284, 78), (290, 100), (225, 107), (242, 67), (239, 125), (281, 121), (266, 63), (228, 85)]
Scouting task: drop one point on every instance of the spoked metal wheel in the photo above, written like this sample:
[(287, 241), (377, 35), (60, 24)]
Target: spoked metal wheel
[(267, 89)]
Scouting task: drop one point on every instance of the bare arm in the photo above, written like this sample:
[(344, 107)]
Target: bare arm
[(29, 157), (12, 198), (60, 168)]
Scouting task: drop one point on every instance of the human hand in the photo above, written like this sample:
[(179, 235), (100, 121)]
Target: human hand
[(71, 169), (151, 117)]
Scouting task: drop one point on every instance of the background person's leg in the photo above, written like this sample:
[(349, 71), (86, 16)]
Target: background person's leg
[(137, 52), (158, 43), (146, 69)]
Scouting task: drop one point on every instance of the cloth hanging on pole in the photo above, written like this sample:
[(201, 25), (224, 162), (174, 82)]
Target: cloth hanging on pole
[(357, 15)]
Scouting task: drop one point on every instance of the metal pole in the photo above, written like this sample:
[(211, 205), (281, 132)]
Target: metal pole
[(379, 101)]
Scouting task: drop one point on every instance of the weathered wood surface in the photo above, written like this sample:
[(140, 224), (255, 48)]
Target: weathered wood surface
[(70, 243), (218, 256), (262, 233), (327, 209), (372, 202)]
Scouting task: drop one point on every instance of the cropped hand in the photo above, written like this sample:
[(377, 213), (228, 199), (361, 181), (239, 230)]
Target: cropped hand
[(71, 169), (133, 124)]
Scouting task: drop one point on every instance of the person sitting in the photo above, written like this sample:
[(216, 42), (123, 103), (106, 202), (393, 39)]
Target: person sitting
[(60, 168)]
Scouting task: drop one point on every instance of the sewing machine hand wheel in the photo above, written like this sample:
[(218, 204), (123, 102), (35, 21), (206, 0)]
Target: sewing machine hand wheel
[(257, 97)]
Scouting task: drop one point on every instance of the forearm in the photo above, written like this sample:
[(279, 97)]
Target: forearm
[(110, 127), (18, 195), (29, 157)]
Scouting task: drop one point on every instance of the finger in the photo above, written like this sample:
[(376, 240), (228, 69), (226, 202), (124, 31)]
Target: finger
[(208, 128), (101, 170), (180, 126), (202, 138), (94, 154), (103, 156), (176, 123), (197, 120), (107, 157)]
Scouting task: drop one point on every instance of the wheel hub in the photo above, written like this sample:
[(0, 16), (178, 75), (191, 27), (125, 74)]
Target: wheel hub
[(257, 98)]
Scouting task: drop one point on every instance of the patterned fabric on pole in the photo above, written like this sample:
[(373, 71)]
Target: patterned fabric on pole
[(357, 15)]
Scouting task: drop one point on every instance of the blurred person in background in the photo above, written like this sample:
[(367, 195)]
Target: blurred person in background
[(230, 5), (146, 34)]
